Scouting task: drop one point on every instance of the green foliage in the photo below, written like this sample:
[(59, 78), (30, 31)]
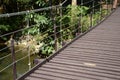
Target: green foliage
[(4, 28), (6, 1), (38, 20), (107, 1), (41, 3), (78, 9), (73, 13), (47, 49), (39, 23), (71, 18), (8, 25), (24, 1), (85, 22), (96, 18)]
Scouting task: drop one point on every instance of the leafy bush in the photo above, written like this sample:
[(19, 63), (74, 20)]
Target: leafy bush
[(71, 19)]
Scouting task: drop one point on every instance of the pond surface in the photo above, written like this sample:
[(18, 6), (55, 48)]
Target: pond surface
[(22, 66)]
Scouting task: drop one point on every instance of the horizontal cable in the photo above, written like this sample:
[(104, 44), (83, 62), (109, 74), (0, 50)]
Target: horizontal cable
[(71, 26), (35, 10), (11, 54), (87, 2), (53, 35), (13, 32), (14, 63), (30, 11), (6, 67), (64, 2), (20, 50), (17, 31), (21, 58), (56, 27), (72, 31), (94, 6), (59, 31), (69, 33), (5, 56), (5, 48), (27, 12)]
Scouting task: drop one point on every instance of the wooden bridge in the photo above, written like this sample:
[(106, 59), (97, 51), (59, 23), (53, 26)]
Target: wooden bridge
[(94, 56)]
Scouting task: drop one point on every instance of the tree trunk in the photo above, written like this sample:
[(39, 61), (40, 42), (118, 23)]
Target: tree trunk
[(74, 2), (1, 9), (115, 3), (73, 16)]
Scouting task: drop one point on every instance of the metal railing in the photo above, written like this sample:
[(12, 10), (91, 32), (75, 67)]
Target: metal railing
[(51, 34)]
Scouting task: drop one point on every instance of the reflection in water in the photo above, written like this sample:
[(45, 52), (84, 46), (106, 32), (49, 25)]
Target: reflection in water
[(22, 65)]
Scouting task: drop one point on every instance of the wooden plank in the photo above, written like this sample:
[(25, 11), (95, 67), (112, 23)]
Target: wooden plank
[(81, 63), (83, 67), (33, 78), (98, 51), (79, 71), (79, 45), (91, 55), (46, 76), (57, 76), (94, 48), (89, 59), (97, 42)]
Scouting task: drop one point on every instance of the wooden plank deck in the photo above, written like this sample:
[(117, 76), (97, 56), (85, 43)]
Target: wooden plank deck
[(95, 56)]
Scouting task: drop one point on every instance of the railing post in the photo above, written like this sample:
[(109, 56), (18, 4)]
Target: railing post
[(55, 33), (61, 25), (79, 25), (112, 2), (100, 10), (110, 5), (91, 13), (91, 19), (115, 4), (29, 64), (28, 39), (50, 4), (107, 6), (93, 7), (81, 17), (55, 37), (13, 59)]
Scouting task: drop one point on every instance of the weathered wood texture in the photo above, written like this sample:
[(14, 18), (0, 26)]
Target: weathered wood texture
[(95, 56)]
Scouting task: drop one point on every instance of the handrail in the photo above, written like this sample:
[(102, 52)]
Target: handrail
[(58, 32), (31, 11)]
